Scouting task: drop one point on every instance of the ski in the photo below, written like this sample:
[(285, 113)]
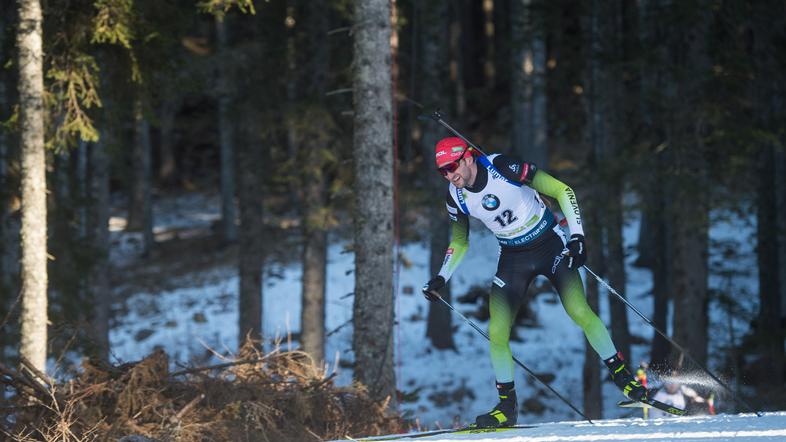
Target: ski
[(464, 430), (652, 403)]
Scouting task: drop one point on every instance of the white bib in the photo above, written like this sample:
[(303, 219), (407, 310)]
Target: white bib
[(513, 211)]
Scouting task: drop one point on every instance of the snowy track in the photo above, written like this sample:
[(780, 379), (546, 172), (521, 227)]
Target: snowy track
[(737, 428)]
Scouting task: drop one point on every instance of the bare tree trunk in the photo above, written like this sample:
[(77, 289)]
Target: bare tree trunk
[(605, 95), (314, 275), (691, 235), (528, 83), (250, 237), (768, 331), (780, 233), (64, 274), (98, 280), (523, 67), (99, 292), (373, 312), (768, 96), (315, 201), (98, 284), (690, 280), (592, 386), (140, 212), (616, 268), (433, 71), (228, 215), (655, 240), (661, 278), (250, 259), (34, 229), (647, 245)]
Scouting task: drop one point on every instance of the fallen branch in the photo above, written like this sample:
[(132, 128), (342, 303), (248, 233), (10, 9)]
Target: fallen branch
[(28, 365), (215, 367), (18, 380), (176, 418), (34, 382), (323, 381)]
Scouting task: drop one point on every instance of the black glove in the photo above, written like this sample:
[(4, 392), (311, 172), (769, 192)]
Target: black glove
[(434, 285), (577, 251)]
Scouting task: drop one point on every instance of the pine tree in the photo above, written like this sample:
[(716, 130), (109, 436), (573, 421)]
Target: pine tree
[(606, 94), (528, 82), (373, 307), (768, 96), (689, 173), (433, 71), (223, 89), (317, 153)]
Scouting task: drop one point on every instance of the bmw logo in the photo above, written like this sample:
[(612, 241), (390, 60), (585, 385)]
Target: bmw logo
[(490, 202)]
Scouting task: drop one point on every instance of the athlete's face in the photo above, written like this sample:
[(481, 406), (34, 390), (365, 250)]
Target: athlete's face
[(464, 175)]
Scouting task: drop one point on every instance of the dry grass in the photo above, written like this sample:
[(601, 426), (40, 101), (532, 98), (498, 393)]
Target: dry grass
[(279, 396)]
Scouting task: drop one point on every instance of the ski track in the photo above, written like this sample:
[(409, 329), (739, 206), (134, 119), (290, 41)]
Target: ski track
[(737, 428)]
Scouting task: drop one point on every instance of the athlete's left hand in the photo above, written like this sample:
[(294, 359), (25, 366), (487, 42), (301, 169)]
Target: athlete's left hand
[(577, 251), (431, 288)]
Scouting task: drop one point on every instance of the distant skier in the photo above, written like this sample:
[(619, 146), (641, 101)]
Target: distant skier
[(641, 376), (503, 193), (677, 395)]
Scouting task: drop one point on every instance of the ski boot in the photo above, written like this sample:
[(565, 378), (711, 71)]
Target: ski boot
[(621, 376), (505, 413)]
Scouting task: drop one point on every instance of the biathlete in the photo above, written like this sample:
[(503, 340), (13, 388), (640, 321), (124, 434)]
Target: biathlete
[(503, 193)]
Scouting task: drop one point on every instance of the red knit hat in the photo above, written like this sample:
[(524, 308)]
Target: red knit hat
[(451, 149)]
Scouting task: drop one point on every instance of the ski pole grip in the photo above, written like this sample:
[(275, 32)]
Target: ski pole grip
[(435, 116)]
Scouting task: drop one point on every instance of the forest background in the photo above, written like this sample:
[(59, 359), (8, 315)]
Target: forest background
[(676, 106)]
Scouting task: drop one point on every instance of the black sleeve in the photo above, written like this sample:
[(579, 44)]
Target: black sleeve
[(449, 200), (514, 169), (454, 212)]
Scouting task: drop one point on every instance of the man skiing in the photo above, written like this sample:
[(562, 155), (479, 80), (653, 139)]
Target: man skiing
[(504, 194)]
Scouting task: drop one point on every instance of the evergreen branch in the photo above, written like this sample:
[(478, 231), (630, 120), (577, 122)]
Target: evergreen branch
[(72, 91), (219, 8), (113, 22)]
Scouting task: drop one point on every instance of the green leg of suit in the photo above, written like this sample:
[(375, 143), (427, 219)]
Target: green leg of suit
[(515, 271)]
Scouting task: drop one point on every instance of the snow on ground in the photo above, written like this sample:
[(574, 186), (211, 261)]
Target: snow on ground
[(770, 427), (447, 387)]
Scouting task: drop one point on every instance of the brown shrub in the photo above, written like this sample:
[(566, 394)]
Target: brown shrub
[(279, 396)]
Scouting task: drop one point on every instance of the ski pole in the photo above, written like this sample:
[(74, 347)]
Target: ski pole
[(437, 116), (534, 376), (677, 346)]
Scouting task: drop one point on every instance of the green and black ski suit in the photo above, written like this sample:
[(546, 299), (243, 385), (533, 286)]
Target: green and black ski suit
[(505, 198)]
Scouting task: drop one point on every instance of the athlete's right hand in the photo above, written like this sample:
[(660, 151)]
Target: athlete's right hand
[(431, 289)]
